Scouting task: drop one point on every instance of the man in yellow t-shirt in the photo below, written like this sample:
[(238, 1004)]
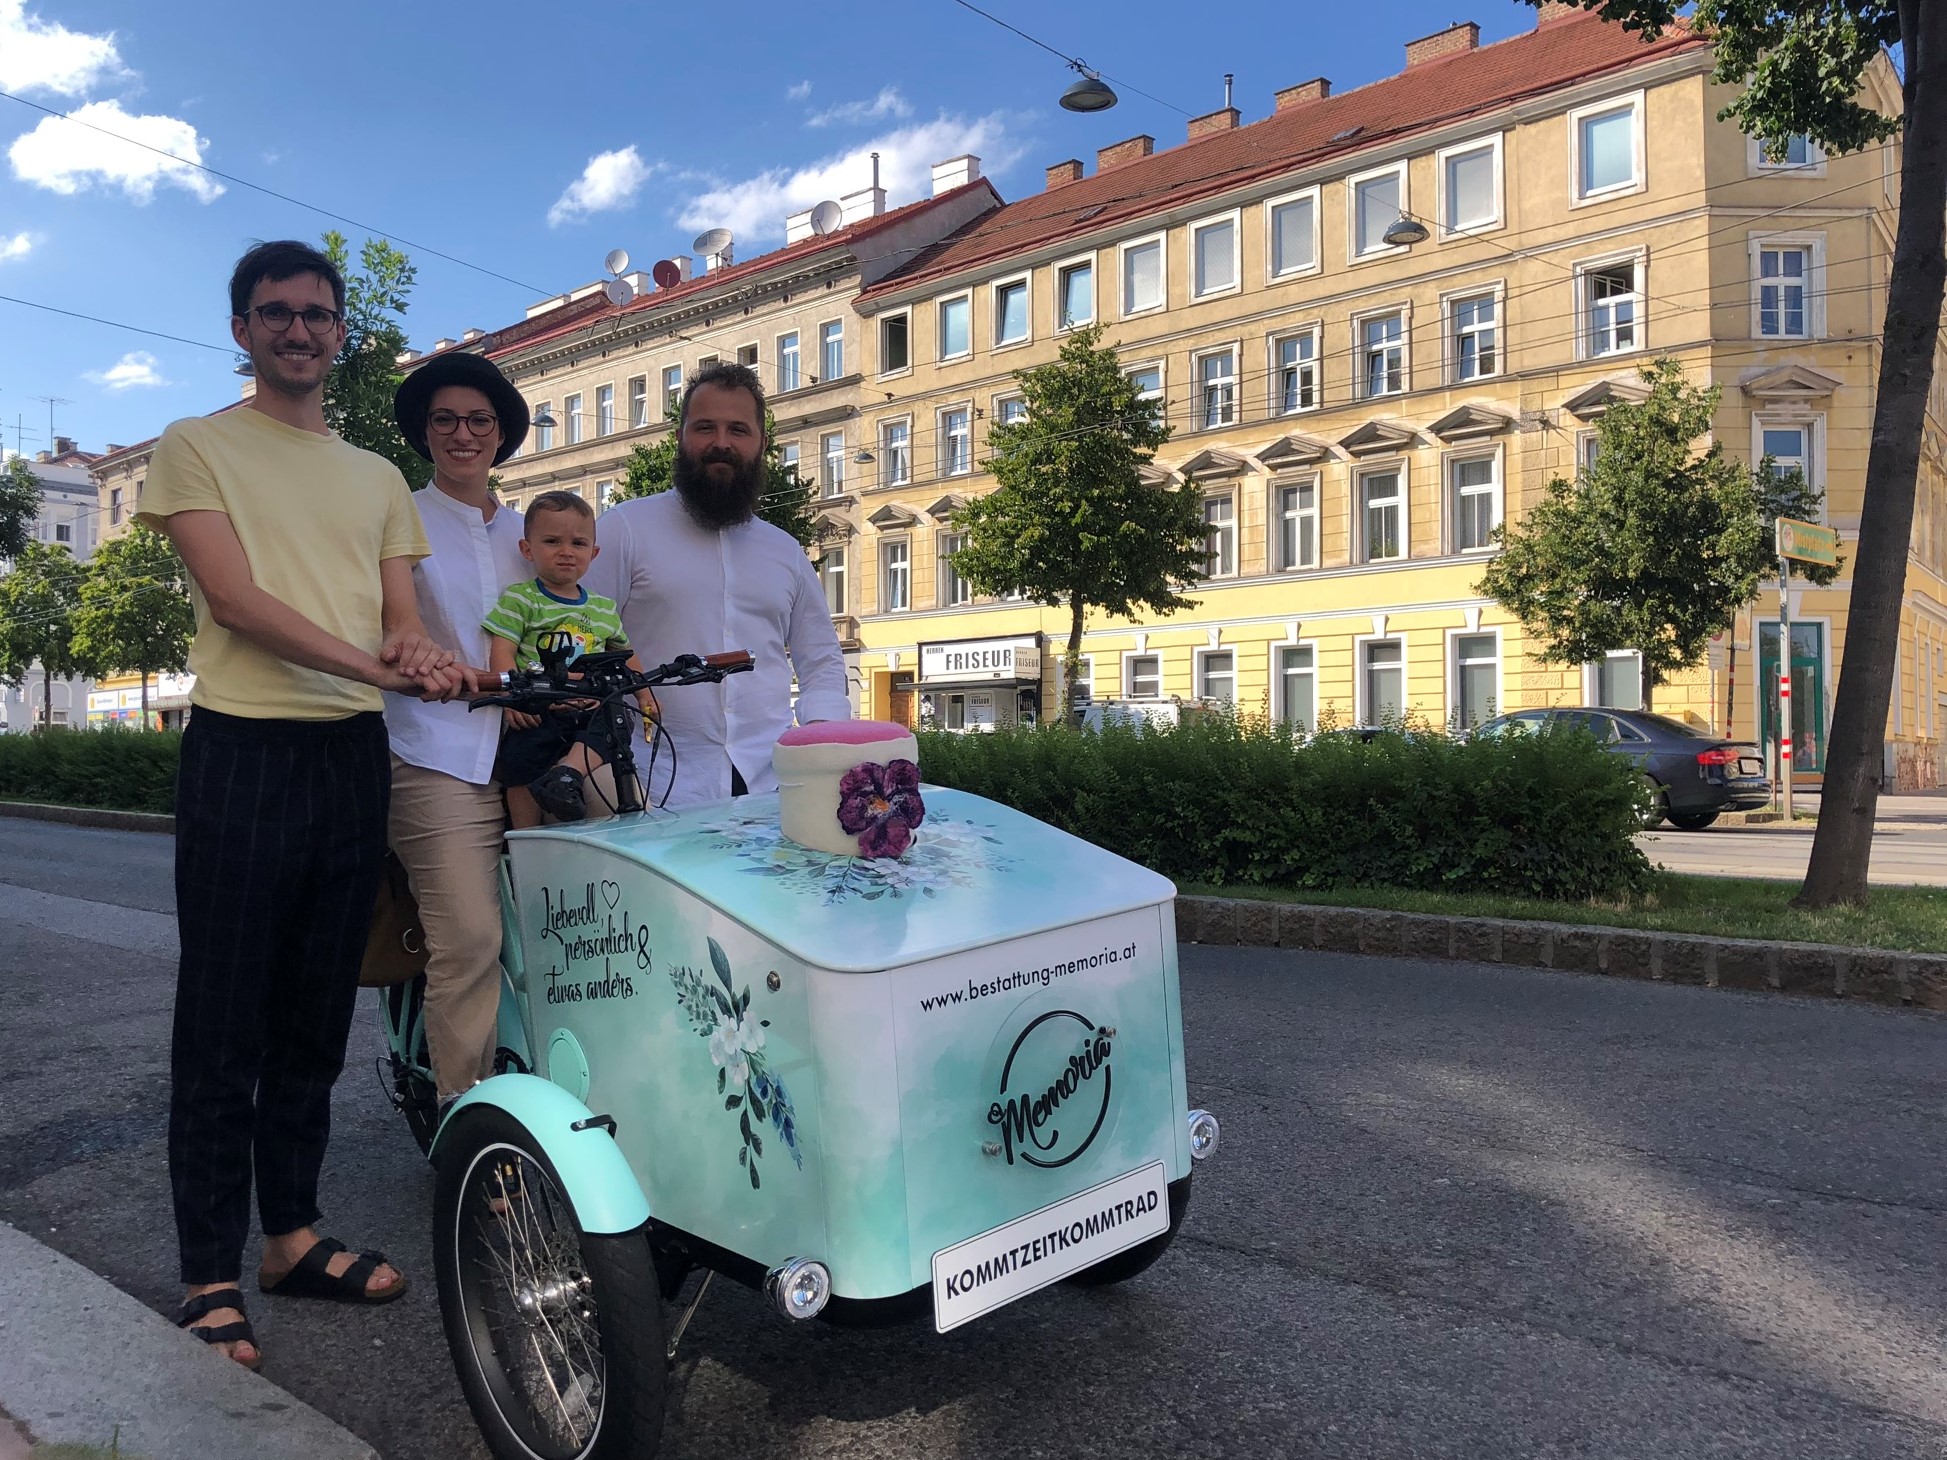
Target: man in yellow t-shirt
[(300, 550)]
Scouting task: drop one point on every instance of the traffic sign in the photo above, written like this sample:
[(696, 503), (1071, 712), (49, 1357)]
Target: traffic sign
[(1808, 542)]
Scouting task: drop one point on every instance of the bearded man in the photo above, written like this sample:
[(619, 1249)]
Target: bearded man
[(696, 571)]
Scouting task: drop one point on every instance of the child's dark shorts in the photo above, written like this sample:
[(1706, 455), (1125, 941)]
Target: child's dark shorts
[(525, 754)]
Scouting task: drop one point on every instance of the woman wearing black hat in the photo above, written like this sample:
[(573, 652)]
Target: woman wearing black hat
[(460, 413)]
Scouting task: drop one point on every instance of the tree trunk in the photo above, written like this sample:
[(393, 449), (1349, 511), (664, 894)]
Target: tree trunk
[(1855, 750), (1647, 681), (1071, 672), (145, 699), (47, 697)]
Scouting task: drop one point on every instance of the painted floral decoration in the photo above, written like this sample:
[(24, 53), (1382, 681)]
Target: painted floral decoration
[(880, 805), (744, 1079)]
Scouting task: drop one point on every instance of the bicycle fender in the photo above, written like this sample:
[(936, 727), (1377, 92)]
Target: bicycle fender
[(608, 1200)]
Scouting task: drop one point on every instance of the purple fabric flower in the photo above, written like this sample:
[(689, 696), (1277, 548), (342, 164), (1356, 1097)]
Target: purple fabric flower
[(880, 805)]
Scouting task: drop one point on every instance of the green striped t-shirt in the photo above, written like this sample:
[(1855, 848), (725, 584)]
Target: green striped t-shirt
[(527, 610)]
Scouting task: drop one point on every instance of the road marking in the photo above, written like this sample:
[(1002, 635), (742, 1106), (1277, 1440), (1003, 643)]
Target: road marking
[(132, 929)]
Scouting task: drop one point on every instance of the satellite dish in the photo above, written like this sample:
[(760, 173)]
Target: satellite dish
[(712, 243), (617, 260), (619, 291), (826, 217), (667, 274)]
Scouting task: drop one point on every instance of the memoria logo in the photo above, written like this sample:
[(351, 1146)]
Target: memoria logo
[(1054, 1089)]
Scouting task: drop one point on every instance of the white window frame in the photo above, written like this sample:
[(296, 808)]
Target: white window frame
[(1396, 468), (572, 418), (1813, 425), (1063, 268), (1814, 246), (1201, 421), (1450, 331), (605, 410), (1443, 197), (1586, 445), (1498, 701), (1585, 269), (672, 399), (943, 572), (1025, 282), (1632, 100), (638, 398), (1273, 274), (1234, 220), (831, 482), (1592, 679), (796, 381), (543, 440), (1087, 661), (1360, 644), (887, 477), (1280, 710), (1122, 252), (946, 467), (1129, 656), (1279, 486), (832, 564), (884, 320), (1757, 166), (965, 299), (823, 325), (1227, 528), (1200, 672), (1353, 254), (904, 544), (604, 489), (1450, 494), (1275, 369), (1161, 367), (1002, 402), (1361, 379)]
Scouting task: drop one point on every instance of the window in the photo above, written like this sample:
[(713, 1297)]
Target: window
[(704, 362), (895, 344), (1142, 276), (1293, 225), (956, 327), (831, 447), (1612, 306), (1142, 676), (787, 457), (1213, 257), (604, 410), (1786, 446), (747, 356), (64, 532), (1148, 380), (956, 442), (831, 349), (1297, 526), (1382, 512), (1377, 201), (1219, 537), (543, 435), (603, 491), (672, 391), (831, 574), (1475, 503), (1476, 679), (1074, 295), (1802, 156), (1294, 380), (1588, 444), (895, 453), (115, 504), (512, 504), (1298, 686), (1217, 676), (1084, 677), (1383, 681), (1783, 272), (1618, 681), (1217, 389), (787, 362), (571, 408), (954, 589), (1474, 355), (1382, 354), (895, 576), (1010, 410), (1011, 312), (638, 401), (1470, 187), (1607, 144)]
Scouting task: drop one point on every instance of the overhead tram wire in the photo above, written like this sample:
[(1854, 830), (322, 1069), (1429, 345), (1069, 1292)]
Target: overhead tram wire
[(1067, 60)]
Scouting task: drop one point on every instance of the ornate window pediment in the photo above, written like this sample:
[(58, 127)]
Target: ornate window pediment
[(1591, 401), (1789, 383), (1379, 436), (1471, 422), (944, 509), (893, 514), (1211, 462), (1294, 450)]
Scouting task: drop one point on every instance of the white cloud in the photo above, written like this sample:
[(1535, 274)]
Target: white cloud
[(39, 55), (611, 180), (755, 208), (17, 247), (798, 92), (137, 369), (65, 158), (888, 103)]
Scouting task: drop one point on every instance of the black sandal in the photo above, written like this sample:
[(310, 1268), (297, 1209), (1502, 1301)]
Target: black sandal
[(203, 1304), (557, 791), (310, 1277)]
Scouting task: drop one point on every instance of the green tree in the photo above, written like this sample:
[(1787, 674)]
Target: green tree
[(20, 504), (1800, 68), (1653, 548), (358, 394), (786, 501), (1072, 520), (37, 602), (134, 615)]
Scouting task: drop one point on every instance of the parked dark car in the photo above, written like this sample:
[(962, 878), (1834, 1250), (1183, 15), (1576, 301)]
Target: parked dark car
[(1693, 776)]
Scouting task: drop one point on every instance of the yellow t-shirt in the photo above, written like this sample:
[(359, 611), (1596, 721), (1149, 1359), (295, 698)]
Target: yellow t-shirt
[(315, 516)]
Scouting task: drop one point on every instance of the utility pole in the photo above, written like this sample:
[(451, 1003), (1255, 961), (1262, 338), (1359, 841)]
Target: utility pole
[(51, 401)]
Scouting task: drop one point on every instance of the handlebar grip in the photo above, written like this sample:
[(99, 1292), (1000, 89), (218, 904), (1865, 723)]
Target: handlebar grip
[(730, 659)]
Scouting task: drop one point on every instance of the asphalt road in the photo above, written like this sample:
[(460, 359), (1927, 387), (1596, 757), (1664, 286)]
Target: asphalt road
[(1909, 845), (1460, 1211)]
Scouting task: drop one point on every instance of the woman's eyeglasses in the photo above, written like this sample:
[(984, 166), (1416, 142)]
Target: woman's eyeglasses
[(480, 423)]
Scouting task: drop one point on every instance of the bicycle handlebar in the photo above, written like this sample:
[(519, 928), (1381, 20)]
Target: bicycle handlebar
[(606, 676)]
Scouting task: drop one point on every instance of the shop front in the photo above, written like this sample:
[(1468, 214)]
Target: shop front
[(968, 685), (120, 704)]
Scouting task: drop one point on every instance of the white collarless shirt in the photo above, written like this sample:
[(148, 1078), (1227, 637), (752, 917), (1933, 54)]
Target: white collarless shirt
[(472, 561), (683, 589)]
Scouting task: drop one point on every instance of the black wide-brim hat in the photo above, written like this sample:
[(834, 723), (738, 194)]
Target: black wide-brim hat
[(414, 400)]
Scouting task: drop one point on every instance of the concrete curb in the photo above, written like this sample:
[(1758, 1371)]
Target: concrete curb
[(81, 1362), (90, 816), (1872, 975)]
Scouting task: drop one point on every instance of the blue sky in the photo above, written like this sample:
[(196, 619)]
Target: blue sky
[(530, 140)]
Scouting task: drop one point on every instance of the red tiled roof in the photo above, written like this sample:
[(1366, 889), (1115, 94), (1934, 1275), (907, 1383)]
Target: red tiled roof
[(1433, 93)]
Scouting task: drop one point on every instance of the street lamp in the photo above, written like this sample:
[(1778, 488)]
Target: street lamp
[(1403, 231), (1090, 94)]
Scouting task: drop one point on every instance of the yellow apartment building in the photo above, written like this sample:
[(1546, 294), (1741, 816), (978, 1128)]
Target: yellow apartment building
[(1363, 413)]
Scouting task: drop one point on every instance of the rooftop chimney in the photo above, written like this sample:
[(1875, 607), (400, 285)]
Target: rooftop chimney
[(467, 337), (955, 172), (1316, 89), (1065, 172), (1554, 10), (866, 202), (63, 445), (444, 344), (1224, 119), (1134, 149), (1465, 36), (797, 226)]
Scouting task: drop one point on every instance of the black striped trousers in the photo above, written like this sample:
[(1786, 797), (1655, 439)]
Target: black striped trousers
[(280, 835)]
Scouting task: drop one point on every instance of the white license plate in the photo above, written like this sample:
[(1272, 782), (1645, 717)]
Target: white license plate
[(1017, 1258), (1750, 768)]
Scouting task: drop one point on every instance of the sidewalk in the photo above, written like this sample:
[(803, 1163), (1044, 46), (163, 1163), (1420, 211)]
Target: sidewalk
[(82, 1363)]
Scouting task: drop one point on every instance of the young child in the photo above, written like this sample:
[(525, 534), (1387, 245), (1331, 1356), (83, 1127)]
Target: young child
[(545, 760)]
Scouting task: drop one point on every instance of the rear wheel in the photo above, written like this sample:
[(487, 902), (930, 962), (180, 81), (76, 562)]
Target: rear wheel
[(1659, 804), (556, 1333), (1692, 820)]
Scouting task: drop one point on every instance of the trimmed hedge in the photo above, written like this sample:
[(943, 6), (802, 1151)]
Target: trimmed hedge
[(125, 770), (1221, 800)]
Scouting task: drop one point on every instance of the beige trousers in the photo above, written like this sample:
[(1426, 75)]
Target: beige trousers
[(447, 832)]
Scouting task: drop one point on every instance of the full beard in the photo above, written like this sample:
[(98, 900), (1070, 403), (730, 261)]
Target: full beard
[(715, 503)]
